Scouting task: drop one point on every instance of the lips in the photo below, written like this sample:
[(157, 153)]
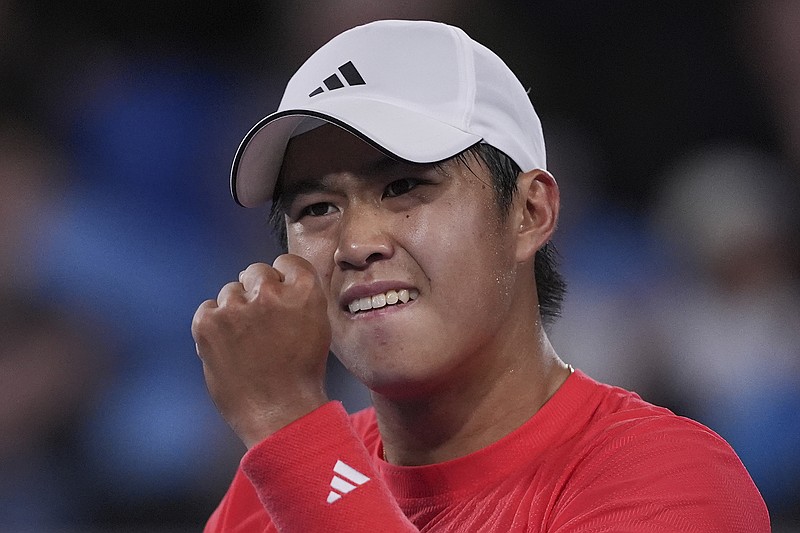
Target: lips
[(382, 299)]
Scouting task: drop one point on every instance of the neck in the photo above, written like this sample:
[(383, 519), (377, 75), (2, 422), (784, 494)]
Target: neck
[(474, 409)]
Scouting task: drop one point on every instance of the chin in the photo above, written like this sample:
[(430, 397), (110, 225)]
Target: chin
[(397, 377)]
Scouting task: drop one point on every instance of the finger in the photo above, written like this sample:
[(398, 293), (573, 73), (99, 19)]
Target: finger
[(233, 291), (292, 266), (258, 273), (200, 321)]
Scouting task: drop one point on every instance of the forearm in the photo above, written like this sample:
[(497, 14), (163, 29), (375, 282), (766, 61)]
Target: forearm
[(316, 475)]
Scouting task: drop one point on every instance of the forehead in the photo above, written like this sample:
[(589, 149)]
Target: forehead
[(329, 149)]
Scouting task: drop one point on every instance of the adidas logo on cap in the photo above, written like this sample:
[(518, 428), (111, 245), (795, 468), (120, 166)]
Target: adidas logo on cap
[(350, 74)]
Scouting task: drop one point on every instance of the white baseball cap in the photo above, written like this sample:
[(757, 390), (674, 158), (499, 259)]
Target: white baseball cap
[(418, 91)]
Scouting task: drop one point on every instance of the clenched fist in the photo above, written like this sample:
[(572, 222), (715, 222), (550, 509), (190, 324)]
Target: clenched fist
[(264, 343)]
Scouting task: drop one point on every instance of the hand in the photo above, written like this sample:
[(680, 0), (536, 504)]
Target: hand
[(264, 342)]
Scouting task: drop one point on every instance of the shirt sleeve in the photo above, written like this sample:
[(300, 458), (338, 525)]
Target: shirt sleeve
[(315, 475), (676, 476)]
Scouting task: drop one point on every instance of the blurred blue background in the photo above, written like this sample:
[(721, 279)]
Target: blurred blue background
[(673, 129)]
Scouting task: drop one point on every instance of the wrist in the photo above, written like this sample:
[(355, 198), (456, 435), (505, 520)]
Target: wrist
[(264, 422)]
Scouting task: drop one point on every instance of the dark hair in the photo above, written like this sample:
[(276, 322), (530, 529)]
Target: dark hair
[(550, 284)]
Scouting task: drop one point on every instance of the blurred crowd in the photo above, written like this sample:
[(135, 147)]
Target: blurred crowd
[(673, 129)]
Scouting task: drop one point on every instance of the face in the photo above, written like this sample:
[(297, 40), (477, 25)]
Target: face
[(418, 264)]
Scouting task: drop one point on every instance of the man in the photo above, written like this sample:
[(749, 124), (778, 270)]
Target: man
[(425, 268)]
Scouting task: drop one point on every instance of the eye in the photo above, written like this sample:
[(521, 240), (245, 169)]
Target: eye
[(317, 210), (400, 187)]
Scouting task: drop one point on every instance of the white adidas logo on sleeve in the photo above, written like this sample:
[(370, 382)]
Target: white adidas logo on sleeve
[(345, 479)]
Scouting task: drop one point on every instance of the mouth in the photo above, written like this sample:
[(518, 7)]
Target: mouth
[(383, 299)]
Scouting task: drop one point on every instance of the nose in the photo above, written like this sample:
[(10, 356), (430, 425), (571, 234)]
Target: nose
[(363, 239)]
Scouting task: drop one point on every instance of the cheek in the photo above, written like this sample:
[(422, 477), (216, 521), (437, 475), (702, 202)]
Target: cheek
[(462, 233), (467, 259)]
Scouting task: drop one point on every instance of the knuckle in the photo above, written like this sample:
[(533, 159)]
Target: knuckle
[(254, 269), (289, 262), (201, 321), (264, 289), (231, 287)]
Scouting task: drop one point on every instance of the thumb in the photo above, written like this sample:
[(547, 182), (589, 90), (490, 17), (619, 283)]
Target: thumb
[(292, 267)]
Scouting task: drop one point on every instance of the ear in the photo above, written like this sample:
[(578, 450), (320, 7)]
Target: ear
[(535, 211)]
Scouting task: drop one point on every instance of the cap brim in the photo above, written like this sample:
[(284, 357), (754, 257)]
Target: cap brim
[(398, 132)]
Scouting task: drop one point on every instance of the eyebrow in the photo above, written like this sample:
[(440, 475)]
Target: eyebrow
[(294, 189)]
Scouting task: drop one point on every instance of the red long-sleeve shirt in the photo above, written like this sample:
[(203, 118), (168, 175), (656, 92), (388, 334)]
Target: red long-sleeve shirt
[(594, 458)]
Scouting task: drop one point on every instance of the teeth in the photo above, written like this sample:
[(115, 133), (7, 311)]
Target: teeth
[(381, 300)]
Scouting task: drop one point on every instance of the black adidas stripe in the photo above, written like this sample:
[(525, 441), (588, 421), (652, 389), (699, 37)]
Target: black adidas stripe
[(333, 82), (352, 75)]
